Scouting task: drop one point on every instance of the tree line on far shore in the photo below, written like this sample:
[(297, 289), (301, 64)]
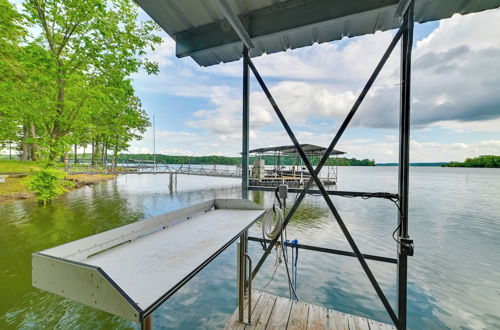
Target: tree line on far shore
[(222, 160), (488, 161)]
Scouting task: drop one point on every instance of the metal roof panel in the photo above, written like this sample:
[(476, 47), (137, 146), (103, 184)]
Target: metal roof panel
[(200, 30)]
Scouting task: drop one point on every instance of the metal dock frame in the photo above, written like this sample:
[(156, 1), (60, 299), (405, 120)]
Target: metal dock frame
[(404, 245)]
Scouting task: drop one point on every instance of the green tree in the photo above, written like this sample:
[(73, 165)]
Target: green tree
[(12, 34), (88, 42)]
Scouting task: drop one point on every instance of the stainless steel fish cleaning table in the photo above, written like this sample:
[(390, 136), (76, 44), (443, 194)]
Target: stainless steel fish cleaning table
[(130, 270)]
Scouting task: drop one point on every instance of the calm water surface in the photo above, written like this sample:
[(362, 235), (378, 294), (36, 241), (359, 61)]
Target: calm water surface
[(453, 277)]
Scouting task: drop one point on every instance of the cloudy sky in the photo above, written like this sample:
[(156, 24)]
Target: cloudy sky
[(455, 96)]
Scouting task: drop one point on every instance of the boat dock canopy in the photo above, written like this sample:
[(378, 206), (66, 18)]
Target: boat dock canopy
[(129, 271), (201, 31), (309, 150)]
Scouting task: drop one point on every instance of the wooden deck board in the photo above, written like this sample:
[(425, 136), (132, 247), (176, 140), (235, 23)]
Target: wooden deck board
[(273, 312), (233, 321), (298, 316), (262, 311), (357, 323), (317, 318), (338, 320), (375, 325), (280, 314)]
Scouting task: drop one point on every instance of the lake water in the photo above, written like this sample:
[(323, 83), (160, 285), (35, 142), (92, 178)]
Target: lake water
[(454, 277)]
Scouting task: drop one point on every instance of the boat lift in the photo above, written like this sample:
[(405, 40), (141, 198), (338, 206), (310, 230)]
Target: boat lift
[(129, 271)]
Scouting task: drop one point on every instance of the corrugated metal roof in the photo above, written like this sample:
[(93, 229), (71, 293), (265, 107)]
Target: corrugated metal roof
[(309, 150), (201, 31)]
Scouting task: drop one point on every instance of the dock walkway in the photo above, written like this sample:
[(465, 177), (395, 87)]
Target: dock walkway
[(274, 312)]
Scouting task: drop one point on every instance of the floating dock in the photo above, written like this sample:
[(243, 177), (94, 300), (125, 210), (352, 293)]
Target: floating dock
[(274, 312)]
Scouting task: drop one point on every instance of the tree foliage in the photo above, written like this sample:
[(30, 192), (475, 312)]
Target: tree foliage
[(47, 184), (221, 160), (68, 81), (12, 34), (489, 161)]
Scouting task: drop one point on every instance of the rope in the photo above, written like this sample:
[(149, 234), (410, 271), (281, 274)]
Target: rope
[(277, 262)]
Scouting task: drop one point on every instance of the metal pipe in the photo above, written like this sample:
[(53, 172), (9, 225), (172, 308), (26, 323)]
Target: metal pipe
[(249, 287), (321, 187), (327, 250), (147, 323), (341, 130), (343, 193), (245, 127), (239, 264), (404, 167)]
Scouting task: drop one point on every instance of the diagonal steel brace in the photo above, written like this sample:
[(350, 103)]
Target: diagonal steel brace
[(314, 172)]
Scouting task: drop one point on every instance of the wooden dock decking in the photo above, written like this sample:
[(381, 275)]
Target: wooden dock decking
[(273, 312)]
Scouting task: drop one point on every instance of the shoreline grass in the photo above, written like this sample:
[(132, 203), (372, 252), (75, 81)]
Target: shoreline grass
[(16, 174)]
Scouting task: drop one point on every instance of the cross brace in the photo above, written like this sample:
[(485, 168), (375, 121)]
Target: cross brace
[(314, 172), (406, 31)]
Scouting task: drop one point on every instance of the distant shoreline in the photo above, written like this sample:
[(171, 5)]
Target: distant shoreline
[(438, 164)]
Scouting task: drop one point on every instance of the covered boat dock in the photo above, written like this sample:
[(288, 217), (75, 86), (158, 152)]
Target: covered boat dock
[(215, 31), (287, 166)]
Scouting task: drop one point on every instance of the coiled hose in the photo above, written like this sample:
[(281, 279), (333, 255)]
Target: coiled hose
[(267, 225)]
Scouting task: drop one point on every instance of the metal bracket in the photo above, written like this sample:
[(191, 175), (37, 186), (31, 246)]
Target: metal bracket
[(402, 8), (406, 246)]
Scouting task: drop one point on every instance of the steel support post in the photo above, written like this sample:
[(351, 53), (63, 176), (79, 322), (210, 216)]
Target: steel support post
[(246, 126), (147, 323), (404, 161)]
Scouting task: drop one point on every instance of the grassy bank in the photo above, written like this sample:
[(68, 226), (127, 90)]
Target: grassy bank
[(16, 166), (17, 174)]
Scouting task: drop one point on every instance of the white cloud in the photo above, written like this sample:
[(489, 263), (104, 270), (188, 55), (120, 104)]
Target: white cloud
[(342, 64), (454, 88), (421, 151), (492, 125), (163, 53)]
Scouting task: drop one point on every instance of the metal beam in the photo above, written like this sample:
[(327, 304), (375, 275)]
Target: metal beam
[(402, 8), (246, 128), (285, 16), (327, 250), (235, 22), (404, 166), (343, 193)]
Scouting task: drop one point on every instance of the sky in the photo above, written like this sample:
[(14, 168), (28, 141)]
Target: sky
[(455, 96)]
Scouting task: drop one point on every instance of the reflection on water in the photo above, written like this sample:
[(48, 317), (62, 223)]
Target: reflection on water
[(455, 221)]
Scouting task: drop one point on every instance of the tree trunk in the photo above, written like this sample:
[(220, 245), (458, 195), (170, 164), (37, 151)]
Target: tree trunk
[(115, 156), (34, 147), (106, 154), (25, 144), (76, 157), (102, 155), (57, 129), (93, 152)]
